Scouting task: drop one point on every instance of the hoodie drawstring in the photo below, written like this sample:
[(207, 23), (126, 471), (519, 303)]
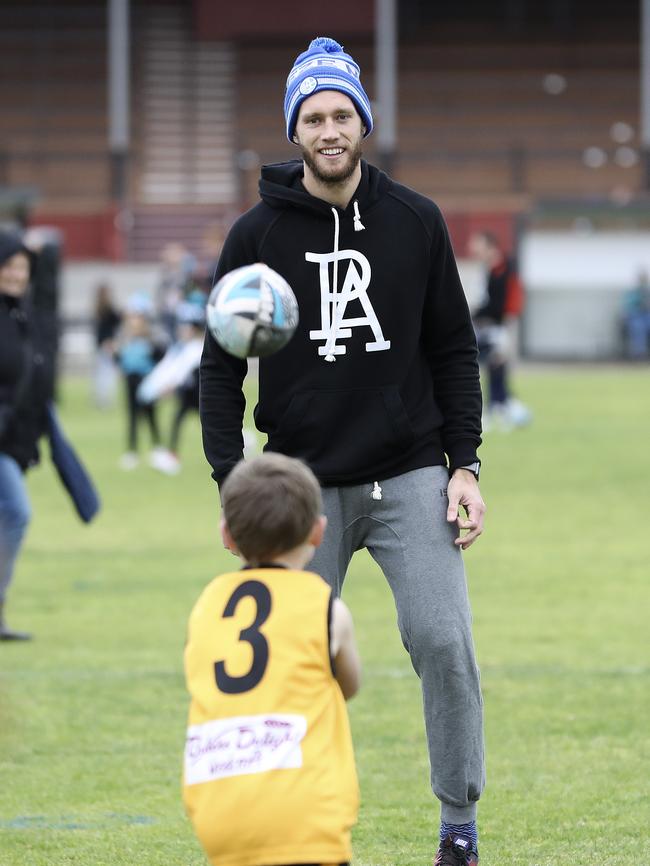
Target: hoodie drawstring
[(358, 225), (329, 356), (331, 340), (376, 492)]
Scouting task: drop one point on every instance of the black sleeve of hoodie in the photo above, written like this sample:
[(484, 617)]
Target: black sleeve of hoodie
[(221, 376), (450, 344)]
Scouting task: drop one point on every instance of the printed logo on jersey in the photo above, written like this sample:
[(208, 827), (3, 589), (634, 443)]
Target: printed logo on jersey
[(242, 745), (334, 303)]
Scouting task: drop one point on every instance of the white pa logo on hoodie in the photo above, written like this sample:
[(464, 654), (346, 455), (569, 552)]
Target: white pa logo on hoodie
[(333, 303)]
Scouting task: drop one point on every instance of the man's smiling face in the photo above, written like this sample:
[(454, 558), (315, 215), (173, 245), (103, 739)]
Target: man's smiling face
[(328, 132)]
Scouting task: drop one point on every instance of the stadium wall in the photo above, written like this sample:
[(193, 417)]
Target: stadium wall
[(479, 129), (575, 284)]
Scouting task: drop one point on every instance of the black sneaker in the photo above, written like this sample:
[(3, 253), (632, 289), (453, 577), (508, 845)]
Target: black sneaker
[(456, 851)]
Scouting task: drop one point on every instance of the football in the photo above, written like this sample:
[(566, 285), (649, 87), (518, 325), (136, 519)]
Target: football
[(252, 311)]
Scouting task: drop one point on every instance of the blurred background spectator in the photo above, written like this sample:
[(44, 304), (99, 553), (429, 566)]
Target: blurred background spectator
[(211, 244), (496, 321), (637, 318), (178, 266), (178, 373), (107, 323), (26, 386), (137, 354), (47, 243)]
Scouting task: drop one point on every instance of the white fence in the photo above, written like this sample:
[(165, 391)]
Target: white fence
[(575, 284)]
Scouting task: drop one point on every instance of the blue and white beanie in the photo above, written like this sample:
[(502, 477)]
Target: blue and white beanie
[(324, 66)]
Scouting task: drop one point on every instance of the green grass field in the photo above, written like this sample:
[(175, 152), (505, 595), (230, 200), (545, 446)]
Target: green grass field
[(92, 713)]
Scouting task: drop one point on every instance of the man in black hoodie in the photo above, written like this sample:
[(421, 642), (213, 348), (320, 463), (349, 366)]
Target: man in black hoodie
[(378, 391)]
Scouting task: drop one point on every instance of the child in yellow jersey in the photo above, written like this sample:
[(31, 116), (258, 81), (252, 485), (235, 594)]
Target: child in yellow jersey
[(269, 776)]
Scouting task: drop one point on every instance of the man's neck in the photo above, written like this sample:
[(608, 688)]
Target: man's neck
[(295, 559), (338, 194)]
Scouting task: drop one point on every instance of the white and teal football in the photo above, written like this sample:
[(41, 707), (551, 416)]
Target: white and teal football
[(252, 311)]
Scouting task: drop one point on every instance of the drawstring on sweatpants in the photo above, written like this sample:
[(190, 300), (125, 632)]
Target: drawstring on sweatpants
[(376, 492)]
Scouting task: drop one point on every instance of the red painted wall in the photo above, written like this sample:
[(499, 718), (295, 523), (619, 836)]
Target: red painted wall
[(85, 236), (462, 224), (98, 236)]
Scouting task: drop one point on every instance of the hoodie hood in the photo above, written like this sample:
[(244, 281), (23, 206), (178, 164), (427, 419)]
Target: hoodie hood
[(10, 244), (281, 187)]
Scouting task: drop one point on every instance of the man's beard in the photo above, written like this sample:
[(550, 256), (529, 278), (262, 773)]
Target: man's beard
[(334, 178)]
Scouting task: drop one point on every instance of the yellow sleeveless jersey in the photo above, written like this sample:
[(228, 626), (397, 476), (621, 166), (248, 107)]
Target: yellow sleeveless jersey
[(269, 775)]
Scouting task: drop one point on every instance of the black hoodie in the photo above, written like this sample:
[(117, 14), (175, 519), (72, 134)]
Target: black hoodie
[(26, 371), (403, 389)]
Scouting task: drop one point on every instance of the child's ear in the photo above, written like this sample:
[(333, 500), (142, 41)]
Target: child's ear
[(318, 531), (226, 537)]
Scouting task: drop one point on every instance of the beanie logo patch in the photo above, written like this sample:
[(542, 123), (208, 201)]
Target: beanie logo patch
[(308, 86)]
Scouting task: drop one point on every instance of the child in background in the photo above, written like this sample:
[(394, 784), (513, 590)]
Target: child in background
[(176, 278), (107, 321), (137, 355), (269, 775), (178, 372)]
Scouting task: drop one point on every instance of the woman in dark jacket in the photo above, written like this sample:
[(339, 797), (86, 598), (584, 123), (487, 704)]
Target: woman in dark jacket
[(25, 388)]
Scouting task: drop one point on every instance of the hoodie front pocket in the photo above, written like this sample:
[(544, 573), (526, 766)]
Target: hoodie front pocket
[(345, 430)]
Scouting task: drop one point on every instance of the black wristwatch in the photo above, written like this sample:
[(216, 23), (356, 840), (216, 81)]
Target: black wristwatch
[(474, 468)]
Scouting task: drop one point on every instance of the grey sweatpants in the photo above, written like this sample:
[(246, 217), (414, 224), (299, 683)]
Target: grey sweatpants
[(407, 534)]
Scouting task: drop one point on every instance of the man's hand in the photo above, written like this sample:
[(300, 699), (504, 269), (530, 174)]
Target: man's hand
[(462, 491)]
